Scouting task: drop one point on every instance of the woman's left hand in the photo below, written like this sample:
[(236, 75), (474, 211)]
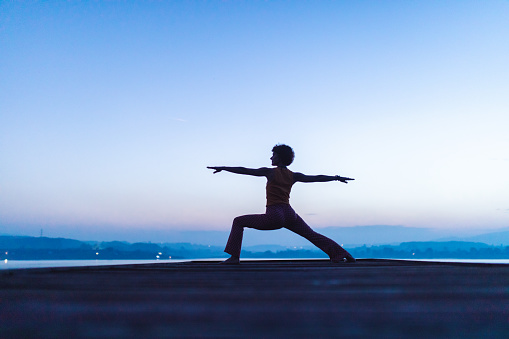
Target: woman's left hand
[(343, 179)]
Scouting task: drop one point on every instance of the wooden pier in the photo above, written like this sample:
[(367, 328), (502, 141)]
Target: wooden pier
[(258, 299)]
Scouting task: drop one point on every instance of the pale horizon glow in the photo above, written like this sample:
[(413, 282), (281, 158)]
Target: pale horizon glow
[(110, 113)]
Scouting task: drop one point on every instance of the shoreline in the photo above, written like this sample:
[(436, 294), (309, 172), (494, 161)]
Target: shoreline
[(35, 264)]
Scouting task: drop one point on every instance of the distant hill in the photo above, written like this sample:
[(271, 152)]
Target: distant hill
[(264, 248), (379, 234), (349, 236), (16, 242), (498, 238), (442, 245), (495, 238), (43, 248)]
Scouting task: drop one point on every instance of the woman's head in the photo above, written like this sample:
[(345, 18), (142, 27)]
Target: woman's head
[(284, 153)]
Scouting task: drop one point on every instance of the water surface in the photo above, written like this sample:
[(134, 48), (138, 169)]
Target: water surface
[(16, 264)]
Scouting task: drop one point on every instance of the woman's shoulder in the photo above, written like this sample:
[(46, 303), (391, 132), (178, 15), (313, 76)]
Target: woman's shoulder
[(297, 176), (265, 171)]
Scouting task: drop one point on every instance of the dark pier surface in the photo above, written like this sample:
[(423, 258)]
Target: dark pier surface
[(258, 299)]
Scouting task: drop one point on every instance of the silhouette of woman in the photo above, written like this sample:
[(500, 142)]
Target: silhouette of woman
[(279, 213)]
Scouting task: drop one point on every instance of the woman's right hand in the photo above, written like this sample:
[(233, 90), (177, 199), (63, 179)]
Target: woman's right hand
[(215, 168)]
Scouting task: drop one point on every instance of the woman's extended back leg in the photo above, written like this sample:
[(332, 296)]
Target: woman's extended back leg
[(329, 246)]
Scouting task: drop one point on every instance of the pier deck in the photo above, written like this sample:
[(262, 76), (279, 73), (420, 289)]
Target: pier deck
[(258, 299)]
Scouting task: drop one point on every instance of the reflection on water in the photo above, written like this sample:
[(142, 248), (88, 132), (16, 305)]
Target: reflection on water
[(12, 264), (15, 264), (472, 261)]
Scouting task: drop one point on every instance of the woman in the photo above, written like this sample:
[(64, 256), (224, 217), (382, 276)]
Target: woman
[(279, 213)]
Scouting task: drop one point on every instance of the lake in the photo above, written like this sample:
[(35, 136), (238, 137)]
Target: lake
[(12, 264), (17, 264)]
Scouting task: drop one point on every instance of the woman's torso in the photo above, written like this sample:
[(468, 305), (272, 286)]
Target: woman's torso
[(279, 185)]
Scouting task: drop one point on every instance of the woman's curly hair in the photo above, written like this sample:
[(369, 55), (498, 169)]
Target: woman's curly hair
[(285, 153)]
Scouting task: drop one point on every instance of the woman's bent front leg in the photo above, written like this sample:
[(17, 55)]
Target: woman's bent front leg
[(256, 221)]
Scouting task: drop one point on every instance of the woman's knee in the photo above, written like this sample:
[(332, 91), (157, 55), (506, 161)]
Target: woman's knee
[(237, 222)]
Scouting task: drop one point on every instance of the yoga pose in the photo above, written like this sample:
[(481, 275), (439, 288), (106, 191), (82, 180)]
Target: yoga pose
[(279, 213)]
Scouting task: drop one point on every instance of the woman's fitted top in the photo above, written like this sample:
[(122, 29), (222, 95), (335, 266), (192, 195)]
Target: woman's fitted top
[(278, 189)]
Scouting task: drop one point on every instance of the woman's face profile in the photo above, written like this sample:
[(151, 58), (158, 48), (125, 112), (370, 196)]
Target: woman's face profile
[(275, 159)]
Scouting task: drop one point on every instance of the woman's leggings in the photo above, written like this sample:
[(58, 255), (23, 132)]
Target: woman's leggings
[(276, 217)]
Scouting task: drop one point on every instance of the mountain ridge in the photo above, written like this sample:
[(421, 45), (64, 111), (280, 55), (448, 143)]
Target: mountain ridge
[(351, 236)]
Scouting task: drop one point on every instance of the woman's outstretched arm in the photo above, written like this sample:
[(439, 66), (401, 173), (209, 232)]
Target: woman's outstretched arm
[(257, 172), (299, 177)]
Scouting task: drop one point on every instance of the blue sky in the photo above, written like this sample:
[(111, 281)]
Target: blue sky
[(111, 111)]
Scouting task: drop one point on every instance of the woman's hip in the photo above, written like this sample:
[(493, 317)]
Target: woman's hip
[(281, 213)]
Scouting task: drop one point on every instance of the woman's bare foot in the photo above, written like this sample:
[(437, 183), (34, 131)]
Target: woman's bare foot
[(347, 258), (233, 260)]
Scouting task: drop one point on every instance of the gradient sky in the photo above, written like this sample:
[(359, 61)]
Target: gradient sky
[(111, 111)]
